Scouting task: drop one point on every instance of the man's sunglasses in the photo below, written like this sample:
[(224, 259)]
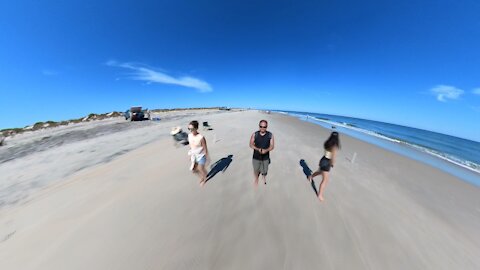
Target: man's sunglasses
[(263, 126)]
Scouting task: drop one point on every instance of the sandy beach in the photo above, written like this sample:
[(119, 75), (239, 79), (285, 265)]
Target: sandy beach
[(112, 196)]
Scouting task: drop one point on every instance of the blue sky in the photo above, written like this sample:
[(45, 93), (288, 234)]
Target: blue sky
[(414, 63)]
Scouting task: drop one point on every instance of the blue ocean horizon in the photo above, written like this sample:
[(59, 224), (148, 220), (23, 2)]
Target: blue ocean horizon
[(430, 147)]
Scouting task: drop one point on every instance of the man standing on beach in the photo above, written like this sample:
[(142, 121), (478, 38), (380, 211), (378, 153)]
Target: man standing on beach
[(262, 143)]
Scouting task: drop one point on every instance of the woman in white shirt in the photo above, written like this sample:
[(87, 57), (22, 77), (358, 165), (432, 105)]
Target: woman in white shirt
[(198, 152)]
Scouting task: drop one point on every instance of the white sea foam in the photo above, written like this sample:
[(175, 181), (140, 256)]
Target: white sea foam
[(449, 158)]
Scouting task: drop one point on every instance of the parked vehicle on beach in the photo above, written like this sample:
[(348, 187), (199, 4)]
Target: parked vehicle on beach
[(137, 114)]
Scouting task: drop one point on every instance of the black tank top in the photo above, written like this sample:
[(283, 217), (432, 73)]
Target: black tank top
[(262, 142)]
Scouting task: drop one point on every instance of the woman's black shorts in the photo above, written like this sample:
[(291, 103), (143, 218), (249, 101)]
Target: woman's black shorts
[(325, 164)]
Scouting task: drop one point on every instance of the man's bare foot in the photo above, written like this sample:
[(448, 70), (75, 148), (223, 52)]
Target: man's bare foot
[(202, 182), (320, 197), (255, 183), (310, 178)]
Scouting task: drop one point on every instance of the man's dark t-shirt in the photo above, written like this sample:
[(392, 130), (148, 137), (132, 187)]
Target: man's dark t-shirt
[(262, 142)]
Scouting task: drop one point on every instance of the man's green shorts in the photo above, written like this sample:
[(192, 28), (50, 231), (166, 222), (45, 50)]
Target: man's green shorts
[(260, 166)]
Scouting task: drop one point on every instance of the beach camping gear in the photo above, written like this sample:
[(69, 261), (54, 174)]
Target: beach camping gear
[(175, 130), (206, 126)]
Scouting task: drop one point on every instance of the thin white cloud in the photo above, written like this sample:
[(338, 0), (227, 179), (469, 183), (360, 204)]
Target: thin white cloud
[(149, 75), (476, 91), (445, 92)]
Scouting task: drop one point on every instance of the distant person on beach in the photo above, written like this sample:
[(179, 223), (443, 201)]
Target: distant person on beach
[(262, 143), (331, 146), (198, 152)]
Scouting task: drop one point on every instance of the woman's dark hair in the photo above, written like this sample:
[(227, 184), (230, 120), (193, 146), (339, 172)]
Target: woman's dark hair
[(332, 141), (194, 124)]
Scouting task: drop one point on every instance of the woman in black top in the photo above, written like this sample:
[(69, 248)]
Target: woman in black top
[(331, 145)]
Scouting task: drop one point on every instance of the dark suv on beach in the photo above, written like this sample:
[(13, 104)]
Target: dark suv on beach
[(137, 114)]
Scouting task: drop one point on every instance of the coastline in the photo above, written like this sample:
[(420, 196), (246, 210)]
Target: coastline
[(423, 154)]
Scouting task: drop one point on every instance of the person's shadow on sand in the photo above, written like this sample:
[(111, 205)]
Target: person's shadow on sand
[(308, 172), (219, 166)]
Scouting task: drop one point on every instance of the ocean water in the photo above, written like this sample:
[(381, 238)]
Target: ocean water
[(423, 145)]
